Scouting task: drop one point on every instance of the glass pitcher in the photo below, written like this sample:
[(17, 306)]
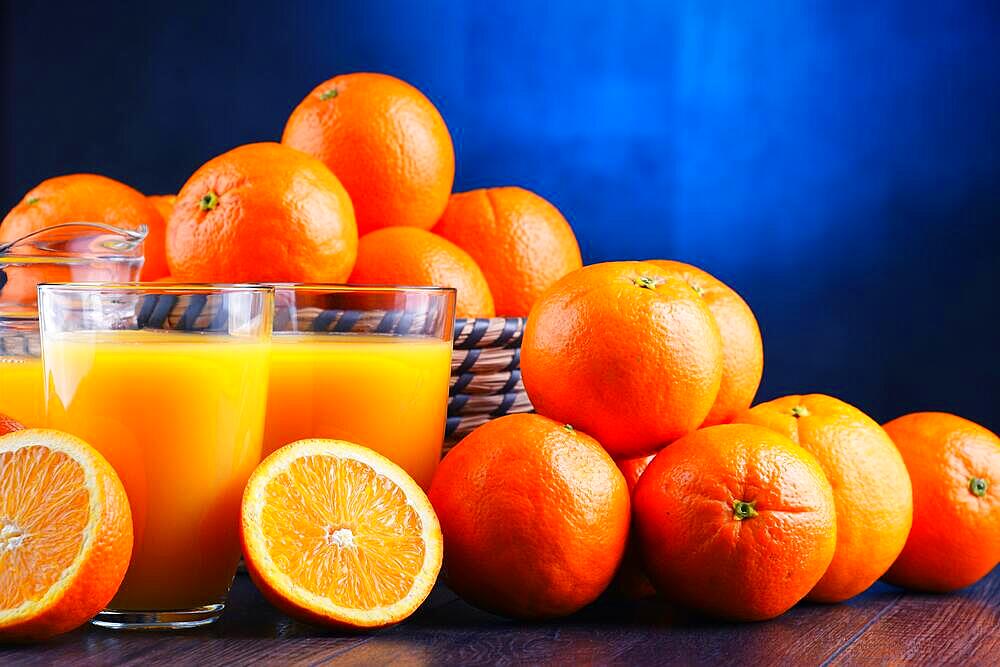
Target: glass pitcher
[(69, 252)]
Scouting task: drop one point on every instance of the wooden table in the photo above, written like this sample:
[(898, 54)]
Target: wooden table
[(883, 625)]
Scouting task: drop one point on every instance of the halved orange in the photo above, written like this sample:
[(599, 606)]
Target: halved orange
[(65, 533), (336, 534)]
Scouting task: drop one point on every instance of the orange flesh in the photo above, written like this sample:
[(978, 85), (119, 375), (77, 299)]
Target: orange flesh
[(44, 511), (356, 541)]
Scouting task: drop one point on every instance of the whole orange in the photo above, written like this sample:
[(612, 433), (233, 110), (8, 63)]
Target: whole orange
[(521, 241), (630, 581), (742, 349), (871, 488), (632, 469), (164, 204), (386, 143), (627, 352), (735, 521), (411, 256), (955, 468), (534, 515), (89, 198), (262, 212)]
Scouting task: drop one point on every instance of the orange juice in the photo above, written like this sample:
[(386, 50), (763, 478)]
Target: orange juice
[(389, 393), (21, 395), (180, 417)]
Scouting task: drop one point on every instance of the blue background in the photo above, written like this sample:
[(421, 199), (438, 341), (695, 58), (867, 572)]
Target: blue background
[(836, 162)]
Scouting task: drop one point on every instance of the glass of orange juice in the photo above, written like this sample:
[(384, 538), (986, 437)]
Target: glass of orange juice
[(370, 365), (169, 383)]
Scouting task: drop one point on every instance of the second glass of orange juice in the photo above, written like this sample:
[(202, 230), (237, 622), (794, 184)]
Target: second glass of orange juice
[(370, 365), (169, 383)]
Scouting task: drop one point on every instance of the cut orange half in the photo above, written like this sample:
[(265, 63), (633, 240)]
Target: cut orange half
[(65, 533), (336, 534)]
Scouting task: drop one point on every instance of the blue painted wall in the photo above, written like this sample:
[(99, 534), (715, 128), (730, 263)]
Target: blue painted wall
[(836, 162)]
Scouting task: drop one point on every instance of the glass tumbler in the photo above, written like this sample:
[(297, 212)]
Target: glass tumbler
[(370, 365), (169, 383)]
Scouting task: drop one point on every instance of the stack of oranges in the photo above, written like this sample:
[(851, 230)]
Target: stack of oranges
[(645, 461), (363, 156), (735, 511)]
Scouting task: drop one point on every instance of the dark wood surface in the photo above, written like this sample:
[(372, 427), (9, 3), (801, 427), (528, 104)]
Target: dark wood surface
[(885, 625)]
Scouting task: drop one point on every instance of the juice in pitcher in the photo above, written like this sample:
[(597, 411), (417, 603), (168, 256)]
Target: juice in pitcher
[(369, 365), (21, 395), (180, 416)]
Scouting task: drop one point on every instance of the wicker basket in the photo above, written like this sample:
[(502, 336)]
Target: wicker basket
[(485, 374)]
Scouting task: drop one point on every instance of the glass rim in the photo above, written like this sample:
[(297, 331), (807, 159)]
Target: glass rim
[(152, 287), (135, 236), (361, 289)]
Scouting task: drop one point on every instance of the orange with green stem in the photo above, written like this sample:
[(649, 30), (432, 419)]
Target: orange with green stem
[(955, 468), (871, 487), (625, 351), (735, 521), (262, 213), (385, 141)]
